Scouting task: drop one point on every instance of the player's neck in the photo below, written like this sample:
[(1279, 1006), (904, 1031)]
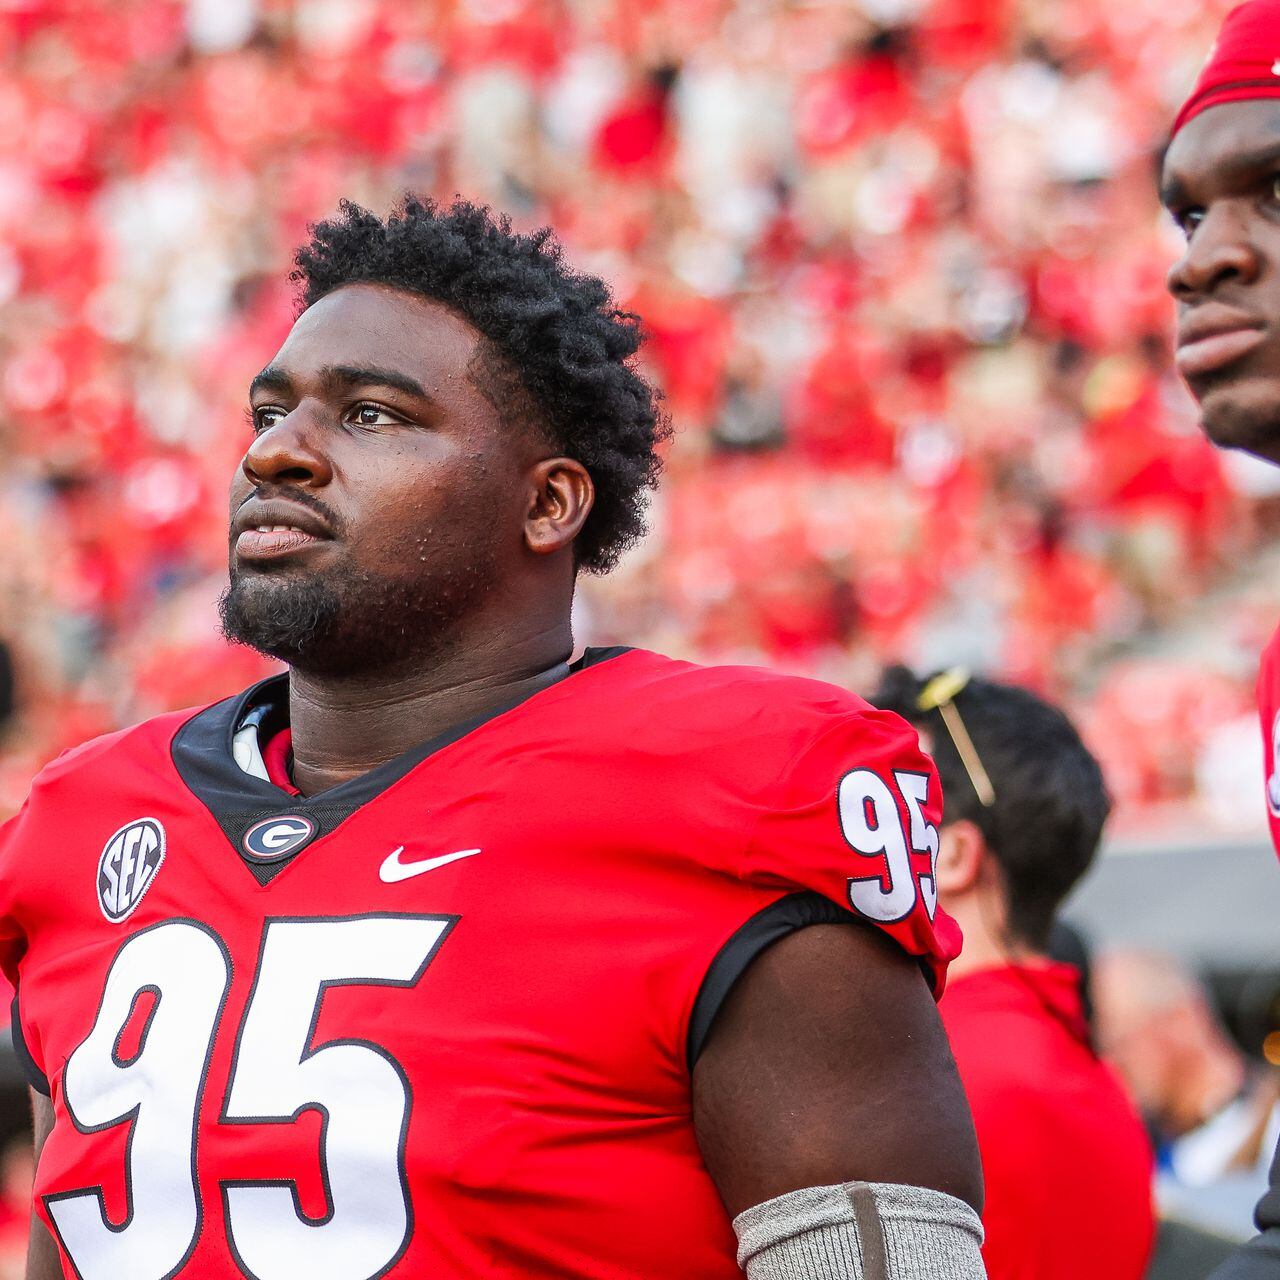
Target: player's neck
[(344, 727), (987, 944)]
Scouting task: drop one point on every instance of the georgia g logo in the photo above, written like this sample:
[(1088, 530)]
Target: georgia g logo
[(274, 838), (1273, 778), (129, 863)]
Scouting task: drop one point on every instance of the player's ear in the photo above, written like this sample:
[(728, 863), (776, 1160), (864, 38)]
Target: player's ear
[(961, 851), (561, 495)]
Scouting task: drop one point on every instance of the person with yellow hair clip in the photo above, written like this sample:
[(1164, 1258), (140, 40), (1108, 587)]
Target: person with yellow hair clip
[(1024, 808)]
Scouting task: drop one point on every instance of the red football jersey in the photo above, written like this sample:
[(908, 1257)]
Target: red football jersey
[(1269, 710), (439, 1020)]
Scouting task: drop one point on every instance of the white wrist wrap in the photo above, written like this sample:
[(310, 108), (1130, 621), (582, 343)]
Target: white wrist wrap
[(861, 1231)]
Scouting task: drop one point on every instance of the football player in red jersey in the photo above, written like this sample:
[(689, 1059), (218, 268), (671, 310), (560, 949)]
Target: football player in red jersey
[(1220, 180), (443, 955)]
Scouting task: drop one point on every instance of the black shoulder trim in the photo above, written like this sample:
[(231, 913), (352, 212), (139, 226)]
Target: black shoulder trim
[(35, 1077), (772, 924), (593, 657)]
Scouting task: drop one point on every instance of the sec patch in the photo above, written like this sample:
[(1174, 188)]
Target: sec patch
[(129, 863)]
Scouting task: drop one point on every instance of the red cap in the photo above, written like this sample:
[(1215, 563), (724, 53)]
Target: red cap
[(1243, 64)]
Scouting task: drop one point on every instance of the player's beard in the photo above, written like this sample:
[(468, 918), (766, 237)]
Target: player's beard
[(285, 622), (351, 625)]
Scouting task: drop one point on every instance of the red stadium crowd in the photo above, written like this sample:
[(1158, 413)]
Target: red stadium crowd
[(902, 279)]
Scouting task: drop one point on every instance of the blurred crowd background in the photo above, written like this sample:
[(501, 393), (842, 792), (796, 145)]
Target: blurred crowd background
[(901, 266), (900, 263)]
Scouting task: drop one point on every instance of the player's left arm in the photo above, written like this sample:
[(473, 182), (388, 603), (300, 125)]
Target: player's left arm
[(826, 1096), (42, 1254)]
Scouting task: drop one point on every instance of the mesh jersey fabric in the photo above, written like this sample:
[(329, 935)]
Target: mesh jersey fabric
[(450, 1035)]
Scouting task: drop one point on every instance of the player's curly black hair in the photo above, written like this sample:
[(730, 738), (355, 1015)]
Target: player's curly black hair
[(557, 351)]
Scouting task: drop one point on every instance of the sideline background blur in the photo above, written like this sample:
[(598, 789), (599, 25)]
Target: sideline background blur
[(901, 264)]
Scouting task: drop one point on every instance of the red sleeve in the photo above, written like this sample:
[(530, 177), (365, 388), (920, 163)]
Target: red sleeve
[(13, 944), (12, 941), (1269, 711), (856, 820)]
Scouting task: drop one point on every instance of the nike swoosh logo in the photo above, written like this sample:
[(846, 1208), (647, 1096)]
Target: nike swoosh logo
[(393, 870)]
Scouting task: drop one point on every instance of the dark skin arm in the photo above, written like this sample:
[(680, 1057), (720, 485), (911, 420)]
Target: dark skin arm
[(828, 1064), (42, 1252)]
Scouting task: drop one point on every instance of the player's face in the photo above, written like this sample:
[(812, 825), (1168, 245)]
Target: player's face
[(381, 498), (1221, 182)]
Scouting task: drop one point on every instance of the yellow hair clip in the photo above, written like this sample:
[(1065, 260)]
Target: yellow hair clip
[(942, 688), (939, 695)]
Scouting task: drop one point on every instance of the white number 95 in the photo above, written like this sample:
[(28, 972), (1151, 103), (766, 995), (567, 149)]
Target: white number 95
[(872, 824)]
